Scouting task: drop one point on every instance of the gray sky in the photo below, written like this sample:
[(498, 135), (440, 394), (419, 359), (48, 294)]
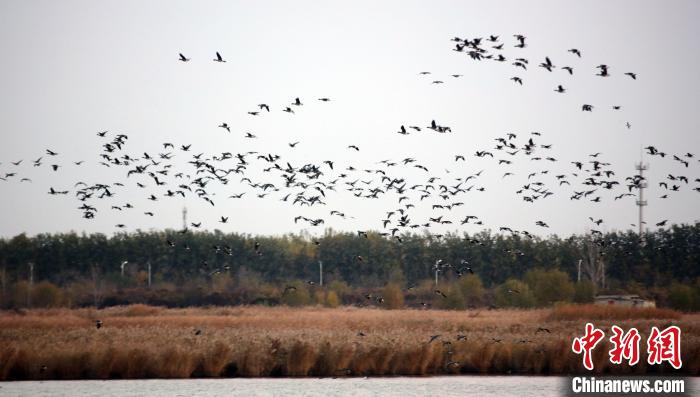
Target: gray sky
[(72, 68)]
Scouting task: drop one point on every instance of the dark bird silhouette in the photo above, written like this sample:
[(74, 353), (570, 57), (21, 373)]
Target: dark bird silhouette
[(547, 64), (225, 126), (219, 58), (183, 59), (603, 70)]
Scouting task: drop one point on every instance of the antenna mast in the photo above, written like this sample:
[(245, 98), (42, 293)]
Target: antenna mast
[(641, 203)]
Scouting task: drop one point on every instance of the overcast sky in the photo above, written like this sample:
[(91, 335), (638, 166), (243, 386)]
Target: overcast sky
[(72, 68)]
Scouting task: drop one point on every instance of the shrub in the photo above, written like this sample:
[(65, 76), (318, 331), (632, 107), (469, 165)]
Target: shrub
[(549, 286), (521, 296), (19, 293), (332, 299), (681, 297), (453, 301), (472, 290), (393, 297), (340, 288), (584, 291), (45, 294), (319, 297), (297, 297)]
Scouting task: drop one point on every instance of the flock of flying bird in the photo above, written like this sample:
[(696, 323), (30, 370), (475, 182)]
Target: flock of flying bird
[(157, 175), (475, 50)]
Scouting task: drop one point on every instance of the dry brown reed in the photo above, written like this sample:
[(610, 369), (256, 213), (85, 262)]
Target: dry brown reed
[(593, 312), (148, 342)]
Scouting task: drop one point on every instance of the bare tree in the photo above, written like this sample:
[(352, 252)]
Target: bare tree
[(593, 264)]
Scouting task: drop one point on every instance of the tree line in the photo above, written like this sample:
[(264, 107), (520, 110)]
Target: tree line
[(203, 264)]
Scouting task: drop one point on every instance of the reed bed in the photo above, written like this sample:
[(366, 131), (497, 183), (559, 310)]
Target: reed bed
[(593, 312), (150, 342)]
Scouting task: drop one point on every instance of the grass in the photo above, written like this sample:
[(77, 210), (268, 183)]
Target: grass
[(151, 342)]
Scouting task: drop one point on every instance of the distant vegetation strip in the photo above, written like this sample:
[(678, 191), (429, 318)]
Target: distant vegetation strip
[(477, 270), (150, 342)]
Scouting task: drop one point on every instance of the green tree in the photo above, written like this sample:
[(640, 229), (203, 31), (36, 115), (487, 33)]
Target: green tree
[(514, 293), (549, 286), (453, 301), (472, 290)]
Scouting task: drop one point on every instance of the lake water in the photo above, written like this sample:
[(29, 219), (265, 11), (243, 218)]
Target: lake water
[(491, 386)]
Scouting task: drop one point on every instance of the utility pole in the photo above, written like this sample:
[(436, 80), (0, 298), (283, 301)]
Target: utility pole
[(184, 218), (641, 203), (437, 270), (578, 279), (320, 273), (149, 274)]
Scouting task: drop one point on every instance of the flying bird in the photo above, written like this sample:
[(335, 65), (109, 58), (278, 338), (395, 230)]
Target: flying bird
[(219, 58)]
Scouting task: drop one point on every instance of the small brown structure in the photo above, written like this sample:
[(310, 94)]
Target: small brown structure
[(624, 300)]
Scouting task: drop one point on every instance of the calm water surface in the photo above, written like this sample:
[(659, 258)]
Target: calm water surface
[(490, 386)]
